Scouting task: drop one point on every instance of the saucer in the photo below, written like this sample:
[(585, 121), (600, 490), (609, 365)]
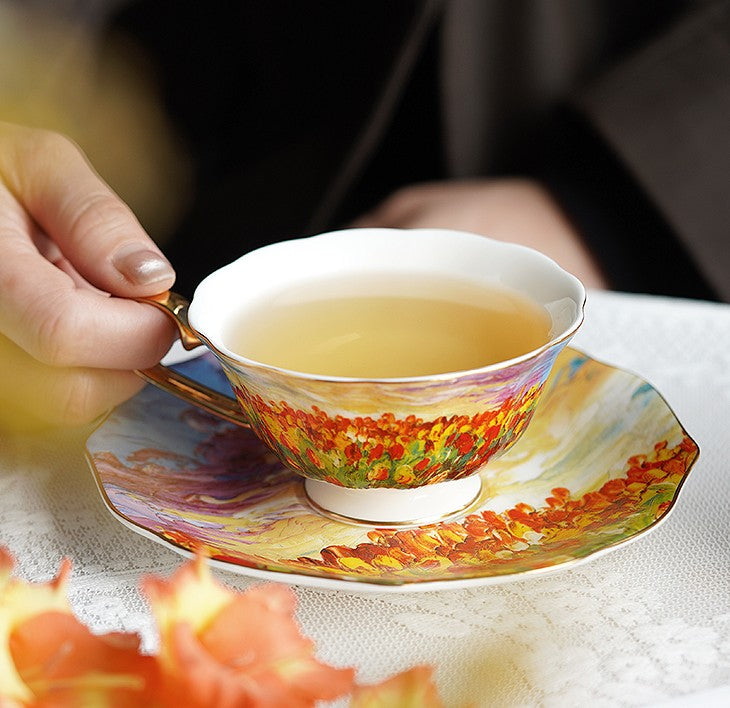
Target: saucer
[(602, 463)]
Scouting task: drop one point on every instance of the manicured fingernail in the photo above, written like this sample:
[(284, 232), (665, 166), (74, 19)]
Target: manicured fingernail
[(142, 266)]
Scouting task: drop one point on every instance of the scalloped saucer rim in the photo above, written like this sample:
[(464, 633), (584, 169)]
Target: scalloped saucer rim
[(515, 466)]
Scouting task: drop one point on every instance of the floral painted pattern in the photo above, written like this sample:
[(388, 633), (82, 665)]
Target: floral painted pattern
[(396, 434), (386, 451), (522, 533), (602, 462)]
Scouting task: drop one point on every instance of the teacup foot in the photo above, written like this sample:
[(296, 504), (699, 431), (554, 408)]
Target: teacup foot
[(393, 507)]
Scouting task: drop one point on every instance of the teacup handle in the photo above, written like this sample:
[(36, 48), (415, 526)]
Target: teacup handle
[(176, 307)]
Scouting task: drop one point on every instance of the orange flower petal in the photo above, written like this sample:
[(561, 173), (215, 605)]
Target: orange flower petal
[(48, 658), (20, 601), (224, 648), (191, 595), (274, 653), (64, 664)]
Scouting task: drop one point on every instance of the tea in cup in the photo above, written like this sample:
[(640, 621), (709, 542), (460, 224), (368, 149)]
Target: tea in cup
[(387, 367)]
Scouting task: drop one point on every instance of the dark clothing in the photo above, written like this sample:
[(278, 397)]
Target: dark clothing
[(299, 116)]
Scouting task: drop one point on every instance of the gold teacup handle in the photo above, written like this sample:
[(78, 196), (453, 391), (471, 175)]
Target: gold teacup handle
[(176, 307)]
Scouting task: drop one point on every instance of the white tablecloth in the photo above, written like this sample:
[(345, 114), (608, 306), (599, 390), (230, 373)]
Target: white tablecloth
[(645, 625)]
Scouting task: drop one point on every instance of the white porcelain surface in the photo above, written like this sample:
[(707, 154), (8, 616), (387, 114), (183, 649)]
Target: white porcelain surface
[(394, 506), (362, 252)]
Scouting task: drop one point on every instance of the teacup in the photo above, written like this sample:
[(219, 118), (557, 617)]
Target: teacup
[(387, 451)]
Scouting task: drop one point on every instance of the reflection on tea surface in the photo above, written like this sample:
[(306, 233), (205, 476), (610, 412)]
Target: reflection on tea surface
[(388, 327)]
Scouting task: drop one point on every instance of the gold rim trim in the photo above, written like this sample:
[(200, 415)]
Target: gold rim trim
[(409, 523), (479, 578), (195, 393), (176, 308)]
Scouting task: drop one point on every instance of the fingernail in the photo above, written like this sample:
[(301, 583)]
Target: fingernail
[(142, 266)]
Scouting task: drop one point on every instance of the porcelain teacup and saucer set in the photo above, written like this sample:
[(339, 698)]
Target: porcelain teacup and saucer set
[(396, 409)]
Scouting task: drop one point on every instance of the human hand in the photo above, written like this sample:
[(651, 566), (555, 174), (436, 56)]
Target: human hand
[(71, 253), (517, 210)]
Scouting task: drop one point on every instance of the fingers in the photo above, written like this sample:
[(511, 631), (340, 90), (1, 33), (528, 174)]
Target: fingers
[(46, 306), (60, 324), (91, 226), (33, 395), (68, 348)]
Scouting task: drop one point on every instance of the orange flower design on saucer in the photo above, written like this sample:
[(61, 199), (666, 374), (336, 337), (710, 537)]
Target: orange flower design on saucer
[(385, 366)]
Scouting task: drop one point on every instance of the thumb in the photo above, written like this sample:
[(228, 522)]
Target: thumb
[(94, 230)]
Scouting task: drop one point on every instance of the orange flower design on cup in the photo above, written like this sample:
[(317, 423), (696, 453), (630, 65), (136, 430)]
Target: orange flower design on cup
[(358, 441), (334, 442)]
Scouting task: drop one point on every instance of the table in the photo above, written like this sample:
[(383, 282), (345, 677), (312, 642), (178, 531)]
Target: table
[(645, 625)]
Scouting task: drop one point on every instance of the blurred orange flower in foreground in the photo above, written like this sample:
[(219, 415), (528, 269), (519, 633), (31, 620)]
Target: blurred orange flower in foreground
[(218, 648), (48, 658)]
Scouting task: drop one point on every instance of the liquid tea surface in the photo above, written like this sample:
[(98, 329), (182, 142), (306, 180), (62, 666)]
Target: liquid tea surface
[(388, 327)]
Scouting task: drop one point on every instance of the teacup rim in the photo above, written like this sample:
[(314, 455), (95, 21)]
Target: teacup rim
[(234, 359)]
